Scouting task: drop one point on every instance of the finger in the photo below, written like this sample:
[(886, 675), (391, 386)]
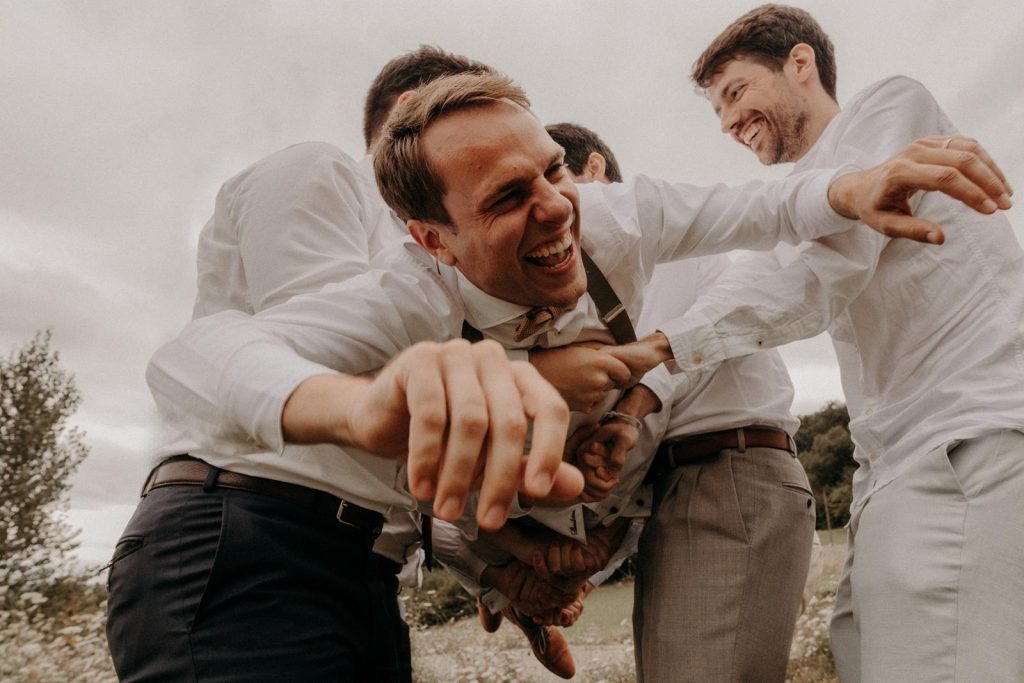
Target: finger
[(618, 372), (969, 145), (895, 224), (593, 459), (567, 552), (973, 180), (540, 564), (623, 443), (566, 488), (506, 424), (580, 561), (554, 559), (636, 356), (428, 417), (467, 428), (574, 442), (550, 416), (604, 487)]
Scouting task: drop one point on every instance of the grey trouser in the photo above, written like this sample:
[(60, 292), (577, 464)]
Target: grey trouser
[(722, 566), (933, 587)]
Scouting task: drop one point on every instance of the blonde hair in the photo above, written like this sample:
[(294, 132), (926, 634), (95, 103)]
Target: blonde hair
[(405, 178)]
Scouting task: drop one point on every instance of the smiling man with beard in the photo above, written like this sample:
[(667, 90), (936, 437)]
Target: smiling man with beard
[(929, 342)]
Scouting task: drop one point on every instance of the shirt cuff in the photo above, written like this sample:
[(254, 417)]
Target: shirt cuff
[(258, 406), (694, 342), (662, 383), (814, 216)]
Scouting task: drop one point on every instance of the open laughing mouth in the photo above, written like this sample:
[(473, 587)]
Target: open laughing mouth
[(752, 130), (552, 254)]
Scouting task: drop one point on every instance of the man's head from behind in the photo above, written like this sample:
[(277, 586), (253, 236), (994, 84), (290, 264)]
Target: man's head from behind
[(409, 72), (483, 187), (771, 77), (589, 159)]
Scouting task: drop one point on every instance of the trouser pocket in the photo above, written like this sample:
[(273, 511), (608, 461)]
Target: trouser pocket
[(159, 572)]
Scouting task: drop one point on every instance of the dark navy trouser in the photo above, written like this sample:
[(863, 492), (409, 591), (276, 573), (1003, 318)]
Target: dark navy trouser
[(225, 585)]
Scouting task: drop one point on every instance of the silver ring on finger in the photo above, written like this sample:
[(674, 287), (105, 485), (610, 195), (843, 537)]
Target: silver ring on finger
[(946, 144)]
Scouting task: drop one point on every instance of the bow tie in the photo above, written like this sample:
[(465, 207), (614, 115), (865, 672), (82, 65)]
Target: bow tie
[(533, 321)]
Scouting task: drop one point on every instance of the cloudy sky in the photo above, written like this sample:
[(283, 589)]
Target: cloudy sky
[(121, 119)]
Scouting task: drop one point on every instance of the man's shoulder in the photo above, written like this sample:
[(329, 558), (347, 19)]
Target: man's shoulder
[(306, 155), (305, 159), (891, 90)]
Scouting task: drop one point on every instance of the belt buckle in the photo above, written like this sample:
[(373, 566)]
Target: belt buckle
[(341, 511)]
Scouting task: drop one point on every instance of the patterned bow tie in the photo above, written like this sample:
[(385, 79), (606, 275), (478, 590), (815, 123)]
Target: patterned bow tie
[(533, 321)]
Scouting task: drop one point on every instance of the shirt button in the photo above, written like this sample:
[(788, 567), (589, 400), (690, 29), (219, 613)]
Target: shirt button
[(869, 411), (760, 342), (874, 456), (697, 358)]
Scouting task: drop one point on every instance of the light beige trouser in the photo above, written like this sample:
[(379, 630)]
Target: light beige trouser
[(933, 587), (721, 569)]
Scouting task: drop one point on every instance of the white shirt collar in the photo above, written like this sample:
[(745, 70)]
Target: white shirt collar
[(484, 311)]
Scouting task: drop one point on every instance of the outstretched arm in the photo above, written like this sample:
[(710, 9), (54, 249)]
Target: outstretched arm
[(680, 221), (461, 413)]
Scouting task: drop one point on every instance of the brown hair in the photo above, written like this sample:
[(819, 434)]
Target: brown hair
[(409, 72), (578, 142), (404, 176), (767, 34)]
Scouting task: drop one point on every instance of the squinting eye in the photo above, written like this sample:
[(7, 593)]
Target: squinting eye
[(557, 169), (505, 201)]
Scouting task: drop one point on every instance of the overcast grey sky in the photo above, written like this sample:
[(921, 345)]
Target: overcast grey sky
[(121, 119)]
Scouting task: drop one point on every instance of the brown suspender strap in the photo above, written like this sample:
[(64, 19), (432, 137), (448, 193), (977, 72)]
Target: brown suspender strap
[(427, 532), (613, 313), (470, 333)]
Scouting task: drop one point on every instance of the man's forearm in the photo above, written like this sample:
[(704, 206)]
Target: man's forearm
[(319, 408)]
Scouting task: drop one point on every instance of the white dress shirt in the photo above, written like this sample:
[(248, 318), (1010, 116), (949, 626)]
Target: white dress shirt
[(302, 218), (750, 390), (930, 339), (291, 223), (225, 379)]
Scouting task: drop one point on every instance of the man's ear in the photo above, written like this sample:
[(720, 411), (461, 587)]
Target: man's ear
[(433, 238), (595, 168), (803, 62)]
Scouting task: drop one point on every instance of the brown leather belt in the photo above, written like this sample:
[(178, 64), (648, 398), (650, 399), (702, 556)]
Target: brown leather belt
[(676, 452), (185, 470)]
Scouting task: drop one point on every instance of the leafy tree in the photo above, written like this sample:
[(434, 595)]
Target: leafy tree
[(826, 452), (38, 455)]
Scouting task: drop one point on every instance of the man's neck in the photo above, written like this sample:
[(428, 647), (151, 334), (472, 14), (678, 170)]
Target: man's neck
[(824, 110)]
